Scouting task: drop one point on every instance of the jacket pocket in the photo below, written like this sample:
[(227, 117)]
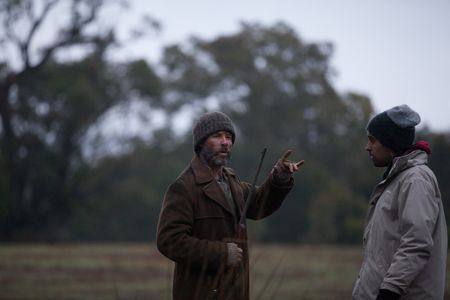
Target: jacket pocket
[(211, 227)]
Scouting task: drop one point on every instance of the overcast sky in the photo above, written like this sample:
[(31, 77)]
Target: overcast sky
[(394, 51)]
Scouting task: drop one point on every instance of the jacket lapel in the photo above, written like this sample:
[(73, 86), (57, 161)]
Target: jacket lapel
[(236, 190), (211, 188)]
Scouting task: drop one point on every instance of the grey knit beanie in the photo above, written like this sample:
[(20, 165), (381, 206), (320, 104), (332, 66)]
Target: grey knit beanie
[(209, 123), (395, 128)]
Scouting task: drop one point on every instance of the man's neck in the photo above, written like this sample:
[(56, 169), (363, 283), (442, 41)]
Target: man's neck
[(217, 173)]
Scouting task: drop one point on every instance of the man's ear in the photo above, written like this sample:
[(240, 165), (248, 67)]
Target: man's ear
[(199, 147)]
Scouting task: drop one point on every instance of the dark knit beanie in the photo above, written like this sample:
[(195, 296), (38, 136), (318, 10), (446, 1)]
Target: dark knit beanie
[(208, 124), (395, 128)]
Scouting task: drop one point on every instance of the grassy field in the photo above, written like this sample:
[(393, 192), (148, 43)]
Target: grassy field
[(138, 271)]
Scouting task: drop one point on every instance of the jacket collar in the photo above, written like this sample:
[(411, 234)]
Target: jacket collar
[(401, 163), (212, 189), (202, 173)]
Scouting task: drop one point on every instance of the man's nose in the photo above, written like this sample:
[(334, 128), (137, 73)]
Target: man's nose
[(225, 142)]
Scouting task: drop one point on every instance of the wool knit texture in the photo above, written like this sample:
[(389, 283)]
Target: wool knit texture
[(395, 128), (208, 124)]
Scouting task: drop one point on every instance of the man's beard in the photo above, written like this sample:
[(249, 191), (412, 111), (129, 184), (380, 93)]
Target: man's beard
[(211, 157)]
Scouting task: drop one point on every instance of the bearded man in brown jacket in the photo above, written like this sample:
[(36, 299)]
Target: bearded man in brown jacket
[(200, 213)]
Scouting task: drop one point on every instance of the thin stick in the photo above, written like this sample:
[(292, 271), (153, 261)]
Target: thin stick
[(242, 221)]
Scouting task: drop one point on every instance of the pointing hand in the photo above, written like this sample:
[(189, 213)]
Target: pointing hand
[(284, 168)]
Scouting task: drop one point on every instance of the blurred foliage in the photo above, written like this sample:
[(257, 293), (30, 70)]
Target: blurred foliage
[(277, 88)]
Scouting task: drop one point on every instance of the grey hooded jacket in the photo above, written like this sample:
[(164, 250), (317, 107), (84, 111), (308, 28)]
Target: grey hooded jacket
[(405, 239)]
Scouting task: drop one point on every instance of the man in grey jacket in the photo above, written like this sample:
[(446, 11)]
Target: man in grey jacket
[(405, 239)]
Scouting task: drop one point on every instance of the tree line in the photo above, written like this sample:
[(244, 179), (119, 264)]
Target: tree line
[(62, 178)]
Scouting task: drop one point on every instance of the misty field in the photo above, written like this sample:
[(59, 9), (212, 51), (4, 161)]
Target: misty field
[(138, 271)]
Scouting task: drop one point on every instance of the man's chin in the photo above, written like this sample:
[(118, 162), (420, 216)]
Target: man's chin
[(220, 161)]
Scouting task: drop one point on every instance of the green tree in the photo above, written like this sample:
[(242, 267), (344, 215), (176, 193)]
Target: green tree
[(278, 89), (122, 195), (47, 104)]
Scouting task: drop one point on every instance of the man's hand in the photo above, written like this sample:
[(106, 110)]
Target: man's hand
[(284, 168), (234, 255)]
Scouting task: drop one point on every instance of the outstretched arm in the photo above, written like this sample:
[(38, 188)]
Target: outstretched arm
[(270, 195)]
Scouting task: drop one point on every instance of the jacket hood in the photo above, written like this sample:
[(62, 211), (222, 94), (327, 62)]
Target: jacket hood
[(401, 163)]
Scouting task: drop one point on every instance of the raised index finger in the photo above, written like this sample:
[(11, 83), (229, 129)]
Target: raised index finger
[(299, 163), (286, 155)]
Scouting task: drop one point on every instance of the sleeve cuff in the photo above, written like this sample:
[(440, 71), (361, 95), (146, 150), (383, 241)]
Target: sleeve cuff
[(387, 295)]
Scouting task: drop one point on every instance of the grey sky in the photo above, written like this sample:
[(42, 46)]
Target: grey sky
[(394, 51)]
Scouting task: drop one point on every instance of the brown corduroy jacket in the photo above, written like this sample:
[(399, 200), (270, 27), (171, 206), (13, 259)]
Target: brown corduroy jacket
[(195, 224)]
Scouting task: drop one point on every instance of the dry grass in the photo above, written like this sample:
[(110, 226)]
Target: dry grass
[(304, 272), (138, 271)]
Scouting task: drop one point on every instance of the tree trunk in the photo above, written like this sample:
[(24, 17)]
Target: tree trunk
[(9, 148)]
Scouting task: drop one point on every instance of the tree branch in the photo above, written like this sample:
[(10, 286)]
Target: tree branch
[(72, 35), (36, 23)]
